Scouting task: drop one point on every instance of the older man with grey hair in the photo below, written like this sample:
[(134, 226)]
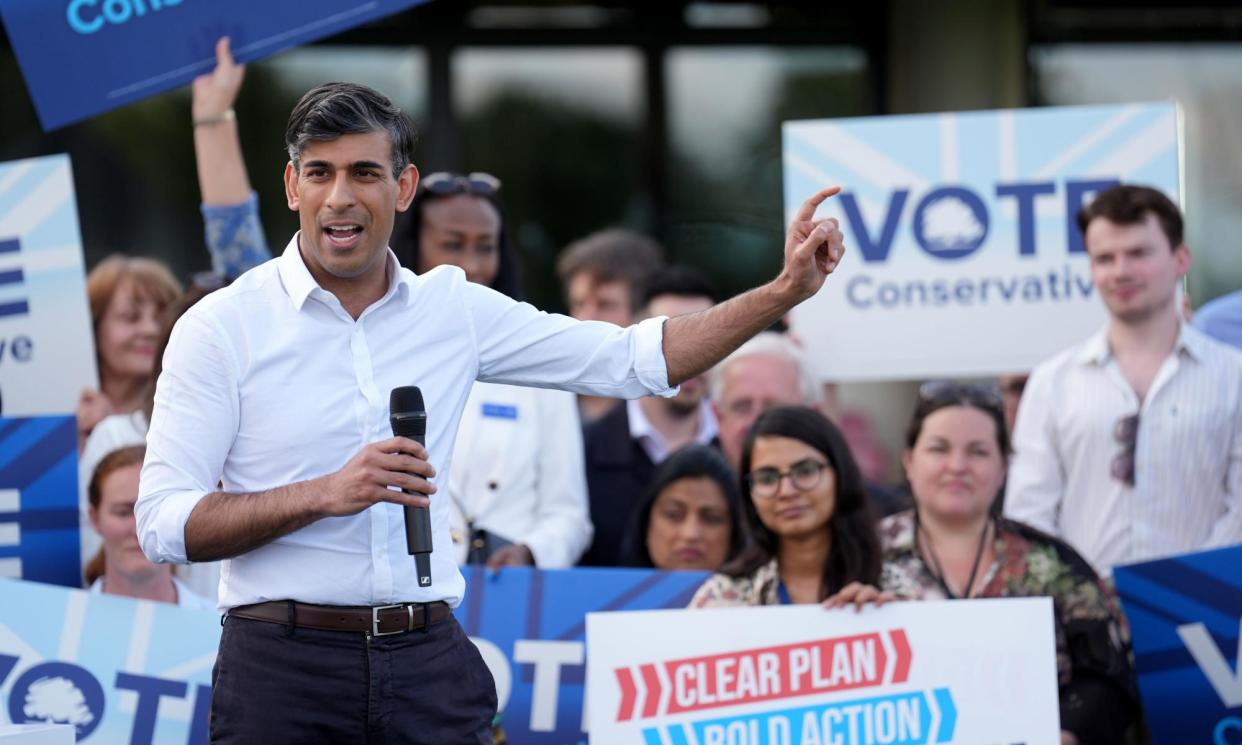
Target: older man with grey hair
[(770, 370)]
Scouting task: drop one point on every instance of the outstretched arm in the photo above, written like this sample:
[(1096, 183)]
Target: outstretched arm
[(813, 248)]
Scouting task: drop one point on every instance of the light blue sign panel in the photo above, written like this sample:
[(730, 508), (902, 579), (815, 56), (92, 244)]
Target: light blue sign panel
[(964, 256), (84, 57), (39, 500)]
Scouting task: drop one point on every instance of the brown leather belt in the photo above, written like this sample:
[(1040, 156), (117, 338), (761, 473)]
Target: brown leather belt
[(378, 621)]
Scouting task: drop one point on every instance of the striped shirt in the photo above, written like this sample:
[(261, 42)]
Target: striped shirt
[(1187, 492)]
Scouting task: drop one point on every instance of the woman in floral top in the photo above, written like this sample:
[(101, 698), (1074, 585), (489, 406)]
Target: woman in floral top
[(951, 545), (806, 510)]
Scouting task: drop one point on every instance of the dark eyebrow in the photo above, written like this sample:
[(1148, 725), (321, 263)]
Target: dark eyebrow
[(368, 164)]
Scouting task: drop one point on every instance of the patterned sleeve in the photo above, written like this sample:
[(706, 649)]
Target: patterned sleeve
[(719, 591), (235, 236), (1098, 697)]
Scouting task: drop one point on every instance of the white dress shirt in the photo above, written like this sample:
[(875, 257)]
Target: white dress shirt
[(269, 382), (653, 443), (518, 472), (1187, 464)]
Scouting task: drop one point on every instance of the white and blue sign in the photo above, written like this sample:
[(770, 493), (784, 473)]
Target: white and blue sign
[(1186, 621), (47, 349), (118, 670), (39, 500), (131, 671), (963, 251), (84, 57)]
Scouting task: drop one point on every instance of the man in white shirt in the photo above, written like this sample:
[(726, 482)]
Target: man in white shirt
[(1129, 445), (269, 445)]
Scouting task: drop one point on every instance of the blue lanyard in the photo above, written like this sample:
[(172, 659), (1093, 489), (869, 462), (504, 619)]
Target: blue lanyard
[(782, 594)]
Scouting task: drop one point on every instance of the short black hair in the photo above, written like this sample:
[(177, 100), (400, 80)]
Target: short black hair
[(1129, 204), (331, 110), (679, 280)]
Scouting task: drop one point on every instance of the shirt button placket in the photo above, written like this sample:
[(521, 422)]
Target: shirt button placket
[(366, 411)]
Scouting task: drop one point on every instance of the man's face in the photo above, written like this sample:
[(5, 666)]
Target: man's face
[(1134, 268), (693, 390), (593, 300), (346, 198), (751, 386)]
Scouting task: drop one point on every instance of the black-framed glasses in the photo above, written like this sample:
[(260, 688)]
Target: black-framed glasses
[(936, 391), (805, 475), (1125, 432), (443, 183)]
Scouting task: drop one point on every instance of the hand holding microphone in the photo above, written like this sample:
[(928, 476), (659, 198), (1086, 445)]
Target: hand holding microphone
[(408, 416)]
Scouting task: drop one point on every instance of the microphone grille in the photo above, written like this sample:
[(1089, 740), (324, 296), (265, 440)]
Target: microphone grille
[(405, 399)]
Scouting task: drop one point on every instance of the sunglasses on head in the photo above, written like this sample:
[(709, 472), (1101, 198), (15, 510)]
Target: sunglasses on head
[(938, 391), (1125, 432), (444, 183)]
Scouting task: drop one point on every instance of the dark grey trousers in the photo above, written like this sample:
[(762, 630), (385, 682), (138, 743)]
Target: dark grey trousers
[(275, 684)]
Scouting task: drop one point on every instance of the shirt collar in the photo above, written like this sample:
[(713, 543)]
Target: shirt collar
[(1095, 351), (299, 283), (640, 425)]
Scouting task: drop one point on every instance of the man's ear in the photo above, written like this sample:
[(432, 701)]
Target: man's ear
[(1181, 255), (291, 186), (407, 184)]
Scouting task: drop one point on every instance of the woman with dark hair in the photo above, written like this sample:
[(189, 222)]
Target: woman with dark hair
[(689, 517), (953, 545), (517, 484), (806, 510)]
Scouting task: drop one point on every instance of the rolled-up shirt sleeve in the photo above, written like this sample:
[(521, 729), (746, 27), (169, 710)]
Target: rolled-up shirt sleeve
[(521, 345), (192, 429)]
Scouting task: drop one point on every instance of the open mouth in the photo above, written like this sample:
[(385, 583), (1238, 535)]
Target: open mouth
[(345, 235)]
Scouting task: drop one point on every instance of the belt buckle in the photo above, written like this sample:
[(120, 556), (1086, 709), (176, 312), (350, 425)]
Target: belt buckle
[(375, 621)]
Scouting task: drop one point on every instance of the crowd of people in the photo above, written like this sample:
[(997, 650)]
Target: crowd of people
[(1127, 447)]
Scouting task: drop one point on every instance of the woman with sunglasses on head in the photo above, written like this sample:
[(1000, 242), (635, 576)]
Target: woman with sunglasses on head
[(953, 545), (517, 484), (806, 510)]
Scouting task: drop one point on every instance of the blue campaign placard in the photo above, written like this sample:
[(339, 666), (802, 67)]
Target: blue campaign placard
[(84, 57), (1186, 618), (39, 500), (530, 626)]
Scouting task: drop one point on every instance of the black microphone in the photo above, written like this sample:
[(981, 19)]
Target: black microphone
[(409, 419)]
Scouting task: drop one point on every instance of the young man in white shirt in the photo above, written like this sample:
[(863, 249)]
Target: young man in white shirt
[(1129, 445), (269, 445)]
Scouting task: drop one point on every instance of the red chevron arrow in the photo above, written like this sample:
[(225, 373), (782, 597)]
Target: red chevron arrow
[(652, 681), (628, 694), (901, 647)]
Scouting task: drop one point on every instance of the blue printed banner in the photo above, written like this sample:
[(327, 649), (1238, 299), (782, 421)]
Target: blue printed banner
[(531, 628), (39, 500), (964, 254), (140, 672), (1186, 619), (84, 57)]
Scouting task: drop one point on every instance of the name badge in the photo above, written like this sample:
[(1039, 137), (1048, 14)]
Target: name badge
[(500, 411)]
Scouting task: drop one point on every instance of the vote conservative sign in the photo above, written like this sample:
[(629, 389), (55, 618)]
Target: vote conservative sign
[(937, 672), (47, 350), (1185, 616), (84, 57), (964, 256)]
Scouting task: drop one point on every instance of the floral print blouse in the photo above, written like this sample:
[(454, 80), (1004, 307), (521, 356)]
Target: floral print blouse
[(1093, 663), (761, 587)]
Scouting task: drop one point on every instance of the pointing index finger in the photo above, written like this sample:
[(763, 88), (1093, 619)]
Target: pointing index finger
[(807, 210)]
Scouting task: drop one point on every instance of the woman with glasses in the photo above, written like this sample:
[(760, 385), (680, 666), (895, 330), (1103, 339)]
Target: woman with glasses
[(806, 511), (517, 484), (952, 545)]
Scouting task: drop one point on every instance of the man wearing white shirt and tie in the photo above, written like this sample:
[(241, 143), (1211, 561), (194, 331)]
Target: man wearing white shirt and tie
[(269, 445), (1129, 445)]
